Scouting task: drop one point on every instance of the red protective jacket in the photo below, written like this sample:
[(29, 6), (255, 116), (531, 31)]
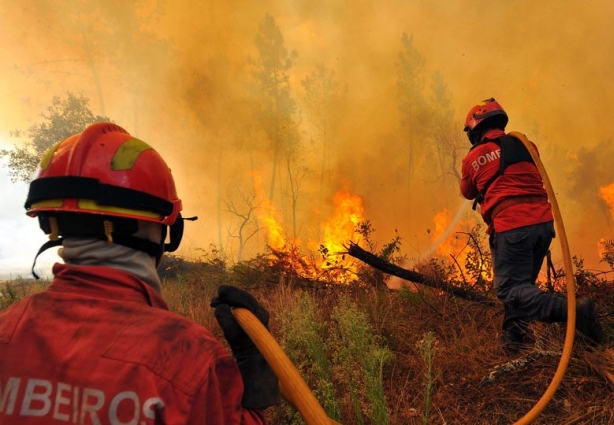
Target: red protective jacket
[(99, 346), (519, 180)]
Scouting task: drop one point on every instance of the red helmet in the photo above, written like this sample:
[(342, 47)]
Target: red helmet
[(486, 109), (105, 171)]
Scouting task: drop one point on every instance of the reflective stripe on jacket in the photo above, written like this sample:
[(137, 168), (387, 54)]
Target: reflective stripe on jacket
[(99, 346)]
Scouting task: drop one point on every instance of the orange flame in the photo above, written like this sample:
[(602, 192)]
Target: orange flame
[(275, 232), (333, 266), (339, 230), (601, 247), (341, 227), (441, 222), (453, 248), (452, 244), (607, 194)]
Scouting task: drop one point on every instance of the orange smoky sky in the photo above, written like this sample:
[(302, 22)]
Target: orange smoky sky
[(177, 74)]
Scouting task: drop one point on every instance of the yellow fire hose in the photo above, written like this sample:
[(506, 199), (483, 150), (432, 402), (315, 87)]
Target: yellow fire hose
[(293, 387), (295, 390), (571, 287)]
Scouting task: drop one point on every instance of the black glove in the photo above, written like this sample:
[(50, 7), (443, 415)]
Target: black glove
[(261, 385)]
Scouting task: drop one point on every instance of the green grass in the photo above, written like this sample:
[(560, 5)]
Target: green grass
[(360, 356), (305, 340), (427, 348)]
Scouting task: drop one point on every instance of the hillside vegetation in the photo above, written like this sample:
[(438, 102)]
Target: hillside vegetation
[(411, 356)]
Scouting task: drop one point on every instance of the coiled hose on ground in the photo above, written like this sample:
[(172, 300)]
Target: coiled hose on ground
[(295, 390)]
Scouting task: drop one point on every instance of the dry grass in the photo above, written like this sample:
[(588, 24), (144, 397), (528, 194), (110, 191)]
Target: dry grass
[(468, 348)]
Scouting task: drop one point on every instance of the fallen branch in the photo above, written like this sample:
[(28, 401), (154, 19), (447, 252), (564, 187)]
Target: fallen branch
[(384, 266), (515, 364)]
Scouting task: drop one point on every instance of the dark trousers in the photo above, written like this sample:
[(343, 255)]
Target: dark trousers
[(517, 257)]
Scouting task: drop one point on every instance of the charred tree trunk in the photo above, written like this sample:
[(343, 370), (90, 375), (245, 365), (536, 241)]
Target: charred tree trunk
[(374, 261)]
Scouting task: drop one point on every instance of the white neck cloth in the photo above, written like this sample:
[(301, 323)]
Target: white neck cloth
[(97, 252)]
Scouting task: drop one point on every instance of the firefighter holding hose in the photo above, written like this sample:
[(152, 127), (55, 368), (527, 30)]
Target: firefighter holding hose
[(99, 345), (499, 174)]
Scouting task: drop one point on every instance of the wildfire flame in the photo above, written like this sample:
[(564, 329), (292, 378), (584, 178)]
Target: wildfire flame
[(453, 247), (607, 194), (601, 247), (331, 265), (341, 227), (275, 231), (441, 221)]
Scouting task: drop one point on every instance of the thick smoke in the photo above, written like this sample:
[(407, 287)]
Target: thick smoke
[(181, 75)]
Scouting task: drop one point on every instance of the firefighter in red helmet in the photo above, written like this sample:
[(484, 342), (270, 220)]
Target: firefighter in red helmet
[(99, 345), (500, 175)]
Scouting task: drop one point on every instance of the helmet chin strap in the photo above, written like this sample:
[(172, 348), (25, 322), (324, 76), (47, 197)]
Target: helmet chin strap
[(153, 249), (44, 247)]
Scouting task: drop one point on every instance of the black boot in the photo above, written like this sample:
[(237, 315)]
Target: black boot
[(587, 322), (513, 338)]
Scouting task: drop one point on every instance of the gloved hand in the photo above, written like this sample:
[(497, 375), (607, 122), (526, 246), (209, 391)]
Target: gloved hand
[(261, 385)]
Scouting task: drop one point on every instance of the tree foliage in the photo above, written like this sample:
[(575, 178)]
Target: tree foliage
[(63, 118), (412, 104), (321, 95), (97, 39), (272, 85), (450, 145)]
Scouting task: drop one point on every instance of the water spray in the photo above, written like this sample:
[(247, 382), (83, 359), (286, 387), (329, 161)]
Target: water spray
[(295, 390), (448, 230)]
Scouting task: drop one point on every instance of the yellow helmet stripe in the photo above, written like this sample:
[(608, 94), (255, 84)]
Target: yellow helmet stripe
[(87, 205), (128, 152), (48, 155)]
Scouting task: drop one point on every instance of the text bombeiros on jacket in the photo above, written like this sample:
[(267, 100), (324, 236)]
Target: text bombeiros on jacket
[(70, 403), (485, 159)]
